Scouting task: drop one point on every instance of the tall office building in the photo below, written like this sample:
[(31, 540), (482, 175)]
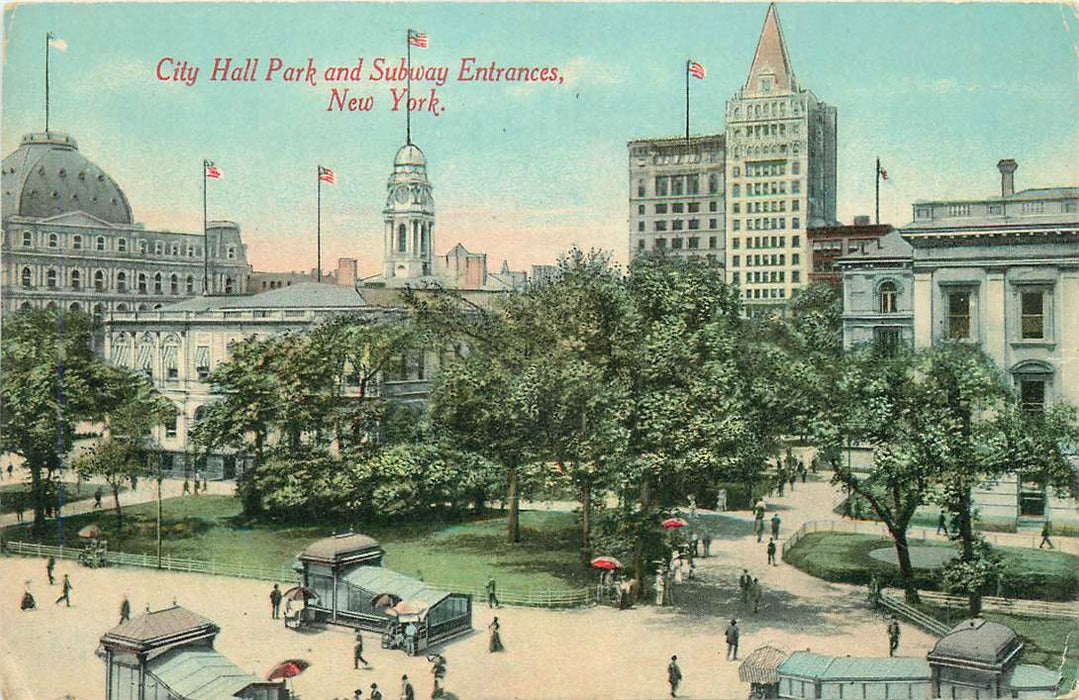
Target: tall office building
[(676, 196), (781, 174)]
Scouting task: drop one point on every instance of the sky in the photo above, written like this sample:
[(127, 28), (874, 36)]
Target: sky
[(523, 171)]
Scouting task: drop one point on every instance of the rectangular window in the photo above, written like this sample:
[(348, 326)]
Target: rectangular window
[(959, 314), (1032, 395), (676, 243), (170, 427), (796, 259), (796, 167), (661, 243), (640, 226), (640, 245), (694, 243), (661, 186), (677, 185), (1033, 314), (693, 184), (737, 208), (735, 277), (796, 241), (796, 276), (736, 243), (736, 261), (693, 207), (202, 362), (1070, 207), (640, 188), (712, 242), (676, 208), (661, 208), (676, 225), (694, 224), (796, 222), (959, 210), (796, 186), (712, 206), (661, 225), (1026, 208), (640, 209), (996, 208)]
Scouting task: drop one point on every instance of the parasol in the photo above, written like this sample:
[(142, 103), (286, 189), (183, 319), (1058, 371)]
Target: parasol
[(288, 668), (670, 523), (90, 532), (607, 563), (385, 600), (407, 607), (299, 593)]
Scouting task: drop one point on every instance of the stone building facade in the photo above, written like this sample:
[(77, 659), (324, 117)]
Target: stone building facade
[(70, 240)]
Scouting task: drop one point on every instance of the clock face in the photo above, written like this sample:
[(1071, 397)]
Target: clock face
[(401, 195)]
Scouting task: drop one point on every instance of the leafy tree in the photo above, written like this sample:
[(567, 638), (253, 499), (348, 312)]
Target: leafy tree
[(51, 381)]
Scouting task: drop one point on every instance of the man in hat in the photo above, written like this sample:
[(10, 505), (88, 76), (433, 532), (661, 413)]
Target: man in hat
[(743, 583), (942, 524), (775, 525), (66, 594), (732, 635), (407, 692), (772, 551), (755, 594), (893, 635), (492, 595), (1047, 530), (275, 602), (376, 694), (125, 610), (50, 565), (97, 498), (674, 676), (357, 652)]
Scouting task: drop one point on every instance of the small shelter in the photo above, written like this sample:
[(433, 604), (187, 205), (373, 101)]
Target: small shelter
[(169, 655), (808, 675), (761, 670), (979, 658), (346, 574)]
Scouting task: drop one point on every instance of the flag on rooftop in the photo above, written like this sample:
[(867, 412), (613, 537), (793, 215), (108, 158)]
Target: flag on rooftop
[(696, 70), (417, 39), (327, 175)]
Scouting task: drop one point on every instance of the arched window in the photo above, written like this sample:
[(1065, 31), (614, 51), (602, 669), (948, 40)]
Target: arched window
[(27, 277), (228, 285), (121, 281), (200, 414), (189, 284), (121, 307), (51, 306), (175, 249), (142, 283), (76, 242), (50, 279), (54, 240), (76, 279), (99, 281), (75, 306), (402, 238), (26, 306), (99, 244), (174, 284), (157, 283), (121, 245), (887, 298), (99, 312)]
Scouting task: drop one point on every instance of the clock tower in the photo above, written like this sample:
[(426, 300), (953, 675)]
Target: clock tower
[(410, 220)]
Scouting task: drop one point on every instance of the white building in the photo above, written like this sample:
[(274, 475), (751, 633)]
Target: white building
[(1000, 272), (71, 241)]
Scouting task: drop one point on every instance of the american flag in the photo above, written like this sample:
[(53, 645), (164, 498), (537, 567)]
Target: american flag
[(212, 170), (417, 39), (696, 70), (326, 175), (883, 173)]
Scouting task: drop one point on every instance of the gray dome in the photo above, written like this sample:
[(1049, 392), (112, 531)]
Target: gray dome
[(47, 176), (977, 640), (410, 155)]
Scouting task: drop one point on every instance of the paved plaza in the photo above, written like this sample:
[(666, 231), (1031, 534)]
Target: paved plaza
[(589, 653)]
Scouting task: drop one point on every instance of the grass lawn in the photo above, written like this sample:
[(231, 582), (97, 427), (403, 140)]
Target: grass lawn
[(454, 553), (1043, 636), (1028, 573), (10, 491)]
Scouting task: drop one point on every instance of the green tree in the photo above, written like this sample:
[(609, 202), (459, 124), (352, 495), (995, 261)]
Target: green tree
[(51, 381)]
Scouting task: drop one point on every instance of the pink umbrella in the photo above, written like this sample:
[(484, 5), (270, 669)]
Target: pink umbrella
[(673, 522), (608, 563)]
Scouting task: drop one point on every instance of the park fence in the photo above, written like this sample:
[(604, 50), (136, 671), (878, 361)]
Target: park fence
[(532, 597)]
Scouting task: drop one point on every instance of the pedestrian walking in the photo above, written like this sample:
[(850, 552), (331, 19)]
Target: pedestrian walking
[(732, 635), (874, 590), (492, 593), (376, 694), (942, 524), (743, 583), (195, 491), (357, 694), (694, 545), (357, 652), (187, 488), (893, 636), (28, 602), (706, 542), (758, 509), (758, 527), (1047, 530), (438, 670), (50, 566), (755, 595), (1000, 582), (814, 464), (97, 498), (495, 641), (775, 525), (802, 469), (10, 469), (125, 610), (275, 602), (19, 508), (772, 551), (792, 477), (66, 594), (407, 691), (205, 486), (661, 586), (674, 676)]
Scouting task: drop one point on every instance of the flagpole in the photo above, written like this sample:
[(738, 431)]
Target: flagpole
[(318, 223), (878, 191), (408, 91), (46, 82), (205, 238), (687, 99)]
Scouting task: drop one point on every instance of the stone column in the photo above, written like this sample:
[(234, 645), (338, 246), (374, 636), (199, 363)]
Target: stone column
[(923, 309), (995, 318)]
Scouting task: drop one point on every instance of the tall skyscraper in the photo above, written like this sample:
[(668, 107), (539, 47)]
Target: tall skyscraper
[(781, 174)]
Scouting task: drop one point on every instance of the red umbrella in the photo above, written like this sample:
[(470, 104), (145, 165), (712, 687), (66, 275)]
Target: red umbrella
[(608, 563), (289, 668), (673, 522)]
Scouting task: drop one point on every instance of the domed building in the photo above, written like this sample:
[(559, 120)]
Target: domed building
[(71, 240), (409, 217)]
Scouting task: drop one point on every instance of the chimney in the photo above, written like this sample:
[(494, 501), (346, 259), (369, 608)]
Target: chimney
[(346, 272), (1007, 168)]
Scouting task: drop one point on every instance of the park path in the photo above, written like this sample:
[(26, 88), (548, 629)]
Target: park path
[(144, 493)]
